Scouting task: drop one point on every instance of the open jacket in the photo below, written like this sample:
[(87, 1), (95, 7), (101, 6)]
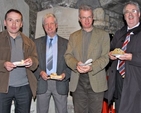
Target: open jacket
[(29, 50), (62, 86), (98, 50), (131, 91)]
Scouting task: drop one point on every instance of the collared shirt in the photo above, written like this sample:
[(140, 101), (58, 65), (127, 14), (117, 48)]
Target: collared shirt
[(133, 27), (55, 53), (131, 33)]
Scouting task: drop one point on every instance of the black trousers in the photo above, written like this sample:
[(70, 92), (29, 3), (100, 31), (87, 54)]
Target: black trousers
[(118, 91), (21, 96)]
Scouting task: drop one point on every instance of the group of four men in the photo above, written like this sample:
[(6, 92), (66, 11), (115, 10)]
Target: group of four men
[(54, 54)]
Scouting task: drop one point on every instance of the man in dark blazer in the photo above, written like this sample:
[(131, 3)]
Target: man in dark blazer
[(48, 87), (126, 90)]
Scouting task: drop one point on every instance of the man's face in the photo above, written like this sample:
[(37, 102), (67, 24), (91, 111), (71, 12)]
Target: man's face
[(86, 19), (13, 23), (50, 26), (131, 15)]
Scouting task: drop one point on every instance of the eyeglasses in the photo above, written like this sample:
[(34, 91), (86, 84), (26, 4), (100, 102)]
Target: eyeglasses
[(84, 18), (133, 11)]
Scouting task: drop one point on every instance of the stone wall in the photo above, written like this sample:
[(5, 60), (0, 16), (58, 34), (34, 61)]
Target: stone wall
[(16, 4), (105, 19)]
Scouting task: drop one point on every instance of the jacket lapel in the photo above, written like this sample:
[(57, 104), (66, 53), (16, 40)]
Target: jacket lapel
[(43, 49), (59, 44), (60, 54), (94, 40), (79, 45)]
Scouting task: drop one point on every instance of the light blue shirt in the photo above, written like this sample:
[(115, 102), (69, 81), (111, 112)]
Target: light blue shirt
[(55, 53)]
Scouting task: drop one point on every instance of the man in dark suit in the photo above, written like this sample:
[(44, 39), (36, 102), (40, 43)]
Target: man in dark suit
[(47, 87), (125, 87)]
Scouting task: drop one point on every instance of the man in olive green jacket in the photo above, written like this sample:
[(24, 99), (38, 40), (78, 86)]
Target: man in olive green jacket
[(17, 81), (88, 82)]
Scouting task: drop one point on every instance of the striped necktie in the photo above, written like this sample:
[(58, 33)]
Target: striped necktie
[(121, 67), (50, 56)]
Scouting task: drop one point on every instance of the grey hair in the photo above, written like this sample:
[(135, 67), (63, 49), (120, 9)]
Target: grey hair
[(49, 15), (85, 8), (131, 3)]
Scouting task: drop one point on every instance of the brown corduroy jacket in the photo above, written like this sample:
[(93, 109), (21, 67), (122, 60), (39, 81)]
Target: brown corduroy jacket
[(29, 50)]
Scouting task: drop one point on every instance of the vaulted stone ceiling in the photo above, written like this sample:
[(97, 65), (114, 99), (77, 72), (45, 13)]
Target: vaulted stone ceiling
[(115, 5), (113, 10), (112, 5)]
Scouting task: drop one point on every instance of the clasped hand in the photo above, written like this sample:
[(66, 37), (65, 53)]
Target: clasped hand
[(126, 56), (10, 66), (84, 68)]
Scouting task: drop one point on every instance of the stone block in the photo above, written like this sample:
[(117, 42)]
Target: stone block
[(67, 21), (99, 14)]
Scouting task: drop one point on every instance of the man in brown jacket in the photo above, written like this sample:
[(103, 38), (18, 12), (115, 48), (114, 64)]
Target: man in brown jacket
[(18, 58)]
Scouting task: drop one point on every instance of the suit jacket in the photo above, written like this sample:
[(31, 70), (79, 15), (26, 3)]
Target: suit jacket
[(62, 86), (98, 49), (29, 50), (131, 91)]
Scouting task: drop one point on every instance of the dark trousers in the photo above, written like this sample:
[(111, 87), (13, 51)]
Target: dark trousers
[(85, 100), (21, 96), (118, 91)]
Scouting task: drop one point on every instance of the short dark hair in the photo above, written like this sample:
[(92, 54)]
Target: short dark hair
[(14, 10)]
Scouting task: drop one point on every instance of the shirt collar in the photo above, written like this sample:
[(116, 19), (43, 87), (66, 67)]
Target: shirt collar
[(133, 27), (54, 38)]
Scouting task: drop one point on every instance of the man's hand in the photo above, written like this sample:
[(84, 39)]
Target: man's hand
[(126, 56), (44, 75), (111, 56), (9, 66), (83, 69), (63, 76), (28, 62)]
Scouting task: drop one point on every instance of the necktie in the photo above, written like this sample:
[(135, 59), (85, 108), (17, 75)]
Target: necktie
[(50, 56), (121, 67)]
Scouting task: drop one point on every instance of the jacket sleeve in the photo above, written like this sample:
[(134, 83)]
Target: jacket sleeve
[(71, 61), (32, 53)]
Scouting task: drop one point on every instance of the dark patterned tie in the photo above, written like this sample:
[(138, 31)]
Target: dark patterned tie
[(121, 67), (50, 56)]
